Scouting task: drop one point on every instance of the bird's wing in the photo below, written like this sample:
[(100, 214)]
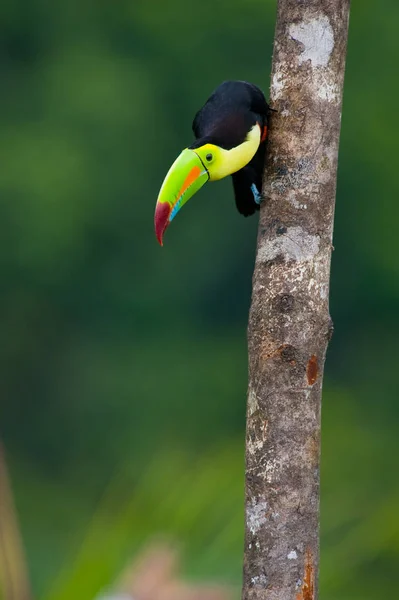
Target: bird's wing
[(253, 172), (243, 181), (244, 197)]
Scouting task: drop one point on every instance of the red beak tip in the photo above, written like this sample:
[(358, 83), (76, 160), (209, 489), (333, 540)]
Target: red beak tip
[(162, 213)]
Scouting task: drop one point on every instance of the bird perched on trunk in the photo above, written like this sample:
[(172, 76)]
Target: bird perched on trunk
[(230, 131)]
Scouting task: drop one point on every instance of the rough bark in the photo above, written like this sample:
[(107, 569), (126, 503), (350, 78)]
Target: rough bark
[(290, 325)]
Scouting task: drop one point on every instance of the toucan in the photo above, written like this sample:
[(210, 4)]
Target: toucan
[(230, 131)]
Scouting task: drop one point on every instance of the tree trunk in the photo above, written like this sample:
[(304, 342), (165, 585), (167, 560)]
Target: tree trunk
[(290, 325)]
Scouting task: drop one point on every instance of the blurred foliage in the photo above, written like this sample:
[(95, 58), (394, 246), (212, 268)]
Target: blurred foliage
[(123, 364)]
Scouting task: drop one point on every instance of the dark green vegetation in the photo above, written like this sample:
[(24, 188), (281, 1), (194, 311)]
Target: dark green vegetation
[(123, 365)]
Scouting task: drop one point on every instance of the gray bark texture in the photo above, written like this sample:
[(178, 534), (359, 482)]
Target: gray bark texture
[(289, 324)]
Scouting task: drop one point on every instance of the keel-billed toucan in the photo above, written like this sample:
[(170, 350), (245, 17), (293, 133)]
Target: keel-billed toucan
[(230, 131)]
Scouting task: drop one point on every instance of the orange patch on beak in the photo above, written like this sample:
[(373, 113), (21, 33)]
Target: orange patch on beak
[(191, 177)]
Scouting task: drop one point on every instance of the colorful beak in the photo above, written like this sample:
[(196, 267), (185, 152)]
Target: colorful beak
[(185, 177)]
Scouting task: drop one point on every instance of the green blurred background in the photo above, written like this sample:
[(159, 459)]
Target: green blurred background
[(123, 365)]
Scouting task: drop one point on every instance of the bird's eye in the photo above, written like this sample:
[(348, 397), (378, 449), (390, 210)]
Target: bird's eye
[(209, 157)]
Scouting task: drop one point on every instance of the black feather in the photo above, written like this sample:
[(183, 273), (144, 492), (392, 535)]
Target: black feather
[(243, 181), (231, 98), (225, 120)]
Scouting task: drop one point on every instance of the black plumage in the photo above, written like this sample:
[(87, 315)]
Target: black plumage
[(225, 120)]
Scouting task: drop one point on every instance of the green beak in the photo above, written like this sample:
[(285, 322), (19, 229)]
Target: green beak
[(185, 177)]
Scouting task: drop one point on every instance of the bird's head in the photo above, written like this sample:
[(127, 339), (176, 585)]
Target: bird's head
[(208, 159)]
